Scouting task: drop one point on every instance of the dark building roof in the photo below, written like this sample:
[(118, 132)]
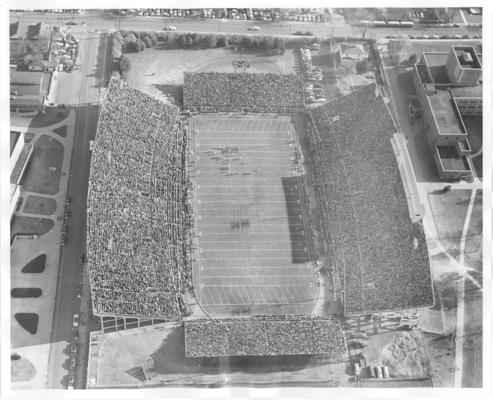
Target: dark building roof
[(451, 160)]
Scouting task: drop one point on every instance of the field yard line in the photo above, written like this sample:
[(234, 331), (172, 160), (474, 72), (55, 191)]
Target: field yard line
[(250, 276), (249, 258), (253, 241), (295, 302), (459, 332), (284, 266), (277, 187), (262, 201)]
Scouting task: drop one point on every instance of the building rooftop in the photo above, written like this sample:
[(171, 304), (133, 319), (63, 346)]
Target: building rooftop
[(445, 112), (436, 63), (467, 91), (467, 57), (451, 160), (26, 77)]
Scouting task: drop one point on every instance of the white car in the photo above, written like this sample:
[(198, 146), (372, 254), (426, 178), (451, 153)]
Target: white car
[(170, 28), (254, 28), (91, 145), (75, 322)]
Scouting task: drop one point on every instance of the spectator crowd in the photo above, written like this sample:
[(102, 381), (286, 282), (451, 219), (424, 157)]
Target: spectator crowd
[(230, 92), (264, 336), (379, 257), (137, 208)]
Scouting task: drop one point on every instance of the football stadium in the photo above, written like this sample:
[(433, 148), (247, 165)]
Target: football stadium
[(206, 215)]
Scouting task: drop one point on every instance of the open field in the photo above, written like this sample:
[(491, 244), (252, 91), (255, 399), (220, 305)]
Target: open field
[(254, 255), (159, 72)]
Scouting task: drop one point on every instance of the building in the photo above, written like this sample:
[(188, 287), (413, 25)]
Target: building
[(20, 152), (28, 90), (354, 52), (448, 87)]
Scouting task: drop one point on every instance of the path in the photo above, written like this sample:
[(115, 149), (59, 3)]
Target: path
[(460, 329)]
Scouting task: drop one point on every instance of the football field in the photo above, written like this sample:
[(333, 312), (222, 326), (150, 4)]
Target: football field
[(253, 256)]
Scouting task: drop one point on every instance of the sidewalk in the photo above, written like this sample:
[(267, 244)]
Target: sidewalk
[(36, 348)]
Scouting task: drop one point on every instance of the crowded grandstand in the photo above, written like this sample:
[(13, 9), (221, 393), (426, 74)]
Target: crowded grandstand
[(137, 208), (230, 92), (379, 257), (264, 336)]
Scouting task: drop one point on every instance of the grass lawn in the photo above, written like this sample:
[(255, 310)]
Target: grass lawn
[(22, 370), (29, 321), (50, 117), (449, 212), (159, 72), (39, 205), (45, 166), (26, 292), (36, 265), (62, 130), (29, 226)]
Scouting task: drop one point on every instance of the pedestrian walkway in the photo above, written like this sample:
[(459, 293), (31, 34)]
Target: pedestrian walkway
[(36, 348)]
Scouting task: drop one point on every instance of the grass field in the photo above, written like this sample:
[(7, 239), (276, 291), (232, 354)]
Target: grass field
[(159, 72), (253, 252), (45, 166), (39, 205)]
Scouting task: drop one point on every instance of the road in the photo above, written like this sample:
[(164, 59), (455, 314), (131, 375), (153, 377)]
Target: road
[(67, 302), (101, 21)]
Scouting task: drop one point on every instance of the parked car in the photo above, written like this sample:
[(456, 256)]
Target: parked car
[(73, 348), (75, 322), (70, 381)]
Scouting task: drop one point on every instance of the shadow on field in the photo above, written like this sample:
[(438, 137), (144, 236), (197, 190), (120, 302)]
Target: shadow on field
[(299, 253), (173, 92)]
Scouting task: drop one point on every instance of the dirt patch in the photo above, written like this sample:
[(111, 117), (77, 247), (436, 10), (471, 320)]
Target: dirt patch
[(29, 321), (62, 130), (39, 205), (45, 166), (26, 292), (22, 370), (30, 226), (405, 356), (36, 265)]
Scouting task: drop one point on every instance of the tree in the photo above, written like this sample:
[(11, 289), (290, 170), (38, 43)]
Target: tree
[(124, 64), (140, 45), (222, 41), (181, 40), (132, 47), (147, 41), (246, 41), (211, 41), (268, 43), (189, 40), (412, 59)]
